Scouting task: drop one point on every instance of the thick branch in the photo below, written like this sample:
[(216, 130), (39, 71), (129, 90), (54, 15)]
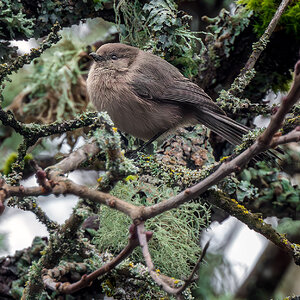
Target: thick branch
[(76, 158), (61, 185)]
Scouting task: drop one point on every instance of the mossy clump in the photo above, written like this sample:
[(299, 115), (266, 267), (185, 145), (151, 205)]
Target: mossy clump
[(264, 10), (11, 159), (175, 243)]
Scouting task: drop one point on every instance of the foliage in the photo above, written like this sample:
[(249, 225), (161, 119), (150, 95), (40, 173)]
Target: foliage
[(265, 9), (176, 233), (274, 189), (23, 260), (225, 29), (21, 20), (99, 4), (223, 34), (12, 17), (248, 139), (53, 77), (289, 226), (159, 26)]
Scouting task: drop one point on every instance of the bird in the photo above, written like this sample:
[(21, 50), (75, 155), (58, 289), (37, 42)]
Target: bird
[(147, 97)]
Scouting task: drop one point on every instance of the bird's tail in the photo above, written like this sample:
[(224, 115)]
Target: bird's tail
[(222, 125), (233, 132)]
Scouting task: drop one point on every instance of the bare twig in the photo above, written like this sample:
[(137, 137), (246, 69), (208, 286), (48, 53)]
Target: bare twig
[(293, 136), (191, 279), (142, 235), (160, 279)]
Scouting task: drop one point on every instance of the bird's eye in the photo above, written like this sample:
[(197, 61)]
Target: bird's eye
[(114, 57)]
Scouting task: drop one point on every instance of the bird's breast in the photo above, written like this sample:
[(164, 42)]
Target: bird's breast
[(130, 113)]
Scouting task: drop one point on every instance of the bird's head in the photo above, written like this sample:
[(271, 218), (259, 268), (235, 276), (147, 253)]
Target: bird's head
[(114, 56)]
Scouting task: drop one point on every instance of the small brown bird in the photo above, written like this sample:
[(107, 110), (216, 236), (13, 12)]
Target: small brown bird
[(146, 96)]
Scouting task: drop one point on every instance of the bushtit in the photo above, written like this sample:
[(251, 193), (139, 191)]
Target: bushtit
[(146, 96)]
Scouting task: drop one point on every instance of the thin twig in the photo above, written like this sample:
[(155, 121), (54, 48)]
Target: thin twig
[(86, 280), (290, 137), (142, 235), (157, 277), (259, 47), (190, 279)]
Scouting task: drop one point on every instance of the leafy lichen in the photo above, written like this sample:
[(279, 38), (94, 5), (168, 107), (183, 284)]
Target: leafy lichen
[(12, 18), (159, 26)]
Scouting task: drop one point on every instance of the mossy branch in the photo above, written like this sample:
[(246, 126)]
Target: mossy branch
[(229, 99), (52, 38)]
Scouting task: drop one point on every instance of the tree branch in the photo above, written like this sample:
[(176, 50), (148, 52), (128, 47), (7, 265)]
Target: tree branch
[(86, 280), (143, 239), (260, 46)]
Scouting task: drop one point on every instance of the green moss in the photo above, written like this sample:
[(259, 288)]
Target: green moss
[(264, 10), (12, 158)]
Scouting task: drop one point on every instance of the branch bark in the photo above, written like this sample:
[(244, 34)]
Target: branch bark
[(86, 280)]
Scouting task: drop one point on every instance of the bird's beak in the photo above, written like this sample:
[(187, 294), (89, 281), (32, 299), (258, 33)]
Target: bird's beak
[(96, 57)]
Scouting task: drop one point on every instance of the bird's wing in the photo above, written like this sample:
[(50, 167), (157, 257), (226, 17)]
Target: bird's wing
[(154, 87), (183, 91)]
